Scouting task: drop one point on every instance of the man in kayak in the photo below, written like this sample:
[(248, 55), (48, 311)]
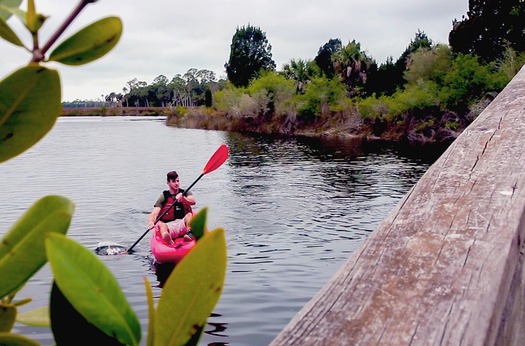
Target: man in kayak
[(174, 209)]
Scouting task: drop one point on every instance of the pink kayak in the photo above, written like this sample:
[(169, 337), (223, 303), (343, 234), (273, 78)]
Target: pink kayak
[(165, 253)]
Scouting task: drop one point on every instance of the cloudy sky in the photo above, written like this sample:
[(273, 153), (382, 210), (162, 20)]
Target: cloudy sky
[(170, 37)]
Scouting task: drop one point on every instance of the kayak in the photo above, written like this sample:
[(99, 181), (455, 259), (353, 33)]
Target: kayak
[(165, 253)]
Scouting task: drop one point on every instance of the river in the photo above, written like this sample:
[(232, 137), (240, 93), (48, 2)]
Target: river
[(294, 210)]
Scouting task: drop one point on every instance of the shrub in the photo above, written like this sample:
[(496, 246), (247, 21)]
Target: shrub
[(227, 99), (468, 80), (273, 93), (181, 111), (320, 95)]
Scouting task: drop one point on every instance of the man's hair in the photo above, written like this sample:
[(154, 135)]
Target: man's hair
[(172, 175)]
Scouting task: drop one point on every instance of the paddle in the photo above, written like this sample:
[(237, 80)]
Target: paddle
[(214, 162)]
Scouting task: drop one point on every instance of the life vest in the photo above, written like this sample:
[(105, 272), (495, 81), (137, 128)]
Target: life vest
[(178, 211)]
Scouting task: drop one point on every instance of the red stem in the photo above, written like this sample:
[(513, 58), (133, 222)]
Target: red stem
[(39, 54)]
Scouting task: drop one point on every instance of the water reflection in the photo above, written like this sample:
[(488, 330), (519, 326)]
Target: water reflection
[(162, 272), (293, 210)]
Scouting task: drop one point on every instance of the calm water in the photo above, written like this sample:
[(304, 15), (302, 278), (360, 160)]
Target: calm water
[(293, 210)]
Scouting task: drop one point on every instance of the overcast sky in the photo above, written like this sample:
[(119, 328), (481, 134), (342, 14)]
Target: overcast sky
[(170, 37)]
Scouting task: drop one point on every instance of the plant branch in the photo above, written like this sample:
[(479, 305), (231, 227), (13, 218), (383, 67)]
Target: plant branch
[(39, 54)]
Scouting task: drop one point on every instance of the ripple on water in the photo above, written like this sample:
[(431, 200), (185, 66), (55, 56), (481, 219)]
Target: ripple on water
[(293, 210)]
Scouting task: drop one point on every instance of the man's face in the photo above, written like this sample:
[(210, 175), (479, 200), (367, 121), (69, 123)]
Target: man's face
[(174, 184)]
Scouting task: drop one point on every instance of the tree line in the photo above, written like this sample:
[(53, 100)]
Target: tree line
[(486, 48), (186, 90)]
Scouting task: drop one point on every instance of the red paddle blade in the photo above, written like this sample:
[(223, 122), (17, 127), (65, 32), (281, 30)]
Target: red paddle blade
[(217, 159)]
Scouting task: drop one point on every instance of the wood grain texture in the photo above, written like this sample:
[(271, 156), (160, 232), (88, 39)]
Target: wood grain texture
[(445, 267)]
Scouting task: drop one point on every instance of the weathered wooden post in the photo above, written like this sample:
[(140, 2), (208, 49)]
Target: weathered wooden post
[(446, 266)]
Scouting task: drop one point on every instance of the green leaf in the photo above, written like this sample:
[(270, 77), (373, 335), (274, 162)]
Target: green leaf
[(90, 43), (198, 223), (151, 312), (33, 20), (16, 340), (69, 326), (31, 16), (20, 14), (192, 291), (20, 302), (91, 289), (8, 34), (22, 251), (29, 106), (37, 317), (7, 7), (7, 317)]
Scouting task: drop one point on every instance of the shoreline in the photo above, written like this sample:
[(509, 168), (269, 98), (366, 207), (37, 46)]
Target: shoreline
[(412, 132)]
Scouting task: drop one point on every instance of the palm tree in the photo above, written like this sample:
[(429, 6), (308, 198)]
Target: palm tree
[(352, 66), (125, 97), (301, 72)]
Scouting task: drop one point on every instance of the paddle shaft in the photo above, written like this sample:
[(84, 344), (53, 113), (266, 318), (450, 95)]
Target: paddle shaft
[(195, 182), (161, 215)]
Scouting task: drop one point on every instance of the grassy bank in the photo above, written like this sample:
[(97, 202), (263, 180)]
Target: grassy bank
[(428, 128)]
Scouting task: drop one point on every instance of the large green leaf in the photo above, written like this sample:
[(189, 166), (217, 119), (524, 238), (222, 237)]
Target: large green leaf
[(22, 250), (198, 223), (29, 106), (7, 6), (192, 291), (8, 34), (91, 289), (90, 43), (16, 340)]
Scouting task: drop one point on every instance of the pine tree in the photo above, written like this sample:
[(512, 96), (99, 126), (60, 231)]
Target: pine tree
[(250, 55), (490, 27)]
